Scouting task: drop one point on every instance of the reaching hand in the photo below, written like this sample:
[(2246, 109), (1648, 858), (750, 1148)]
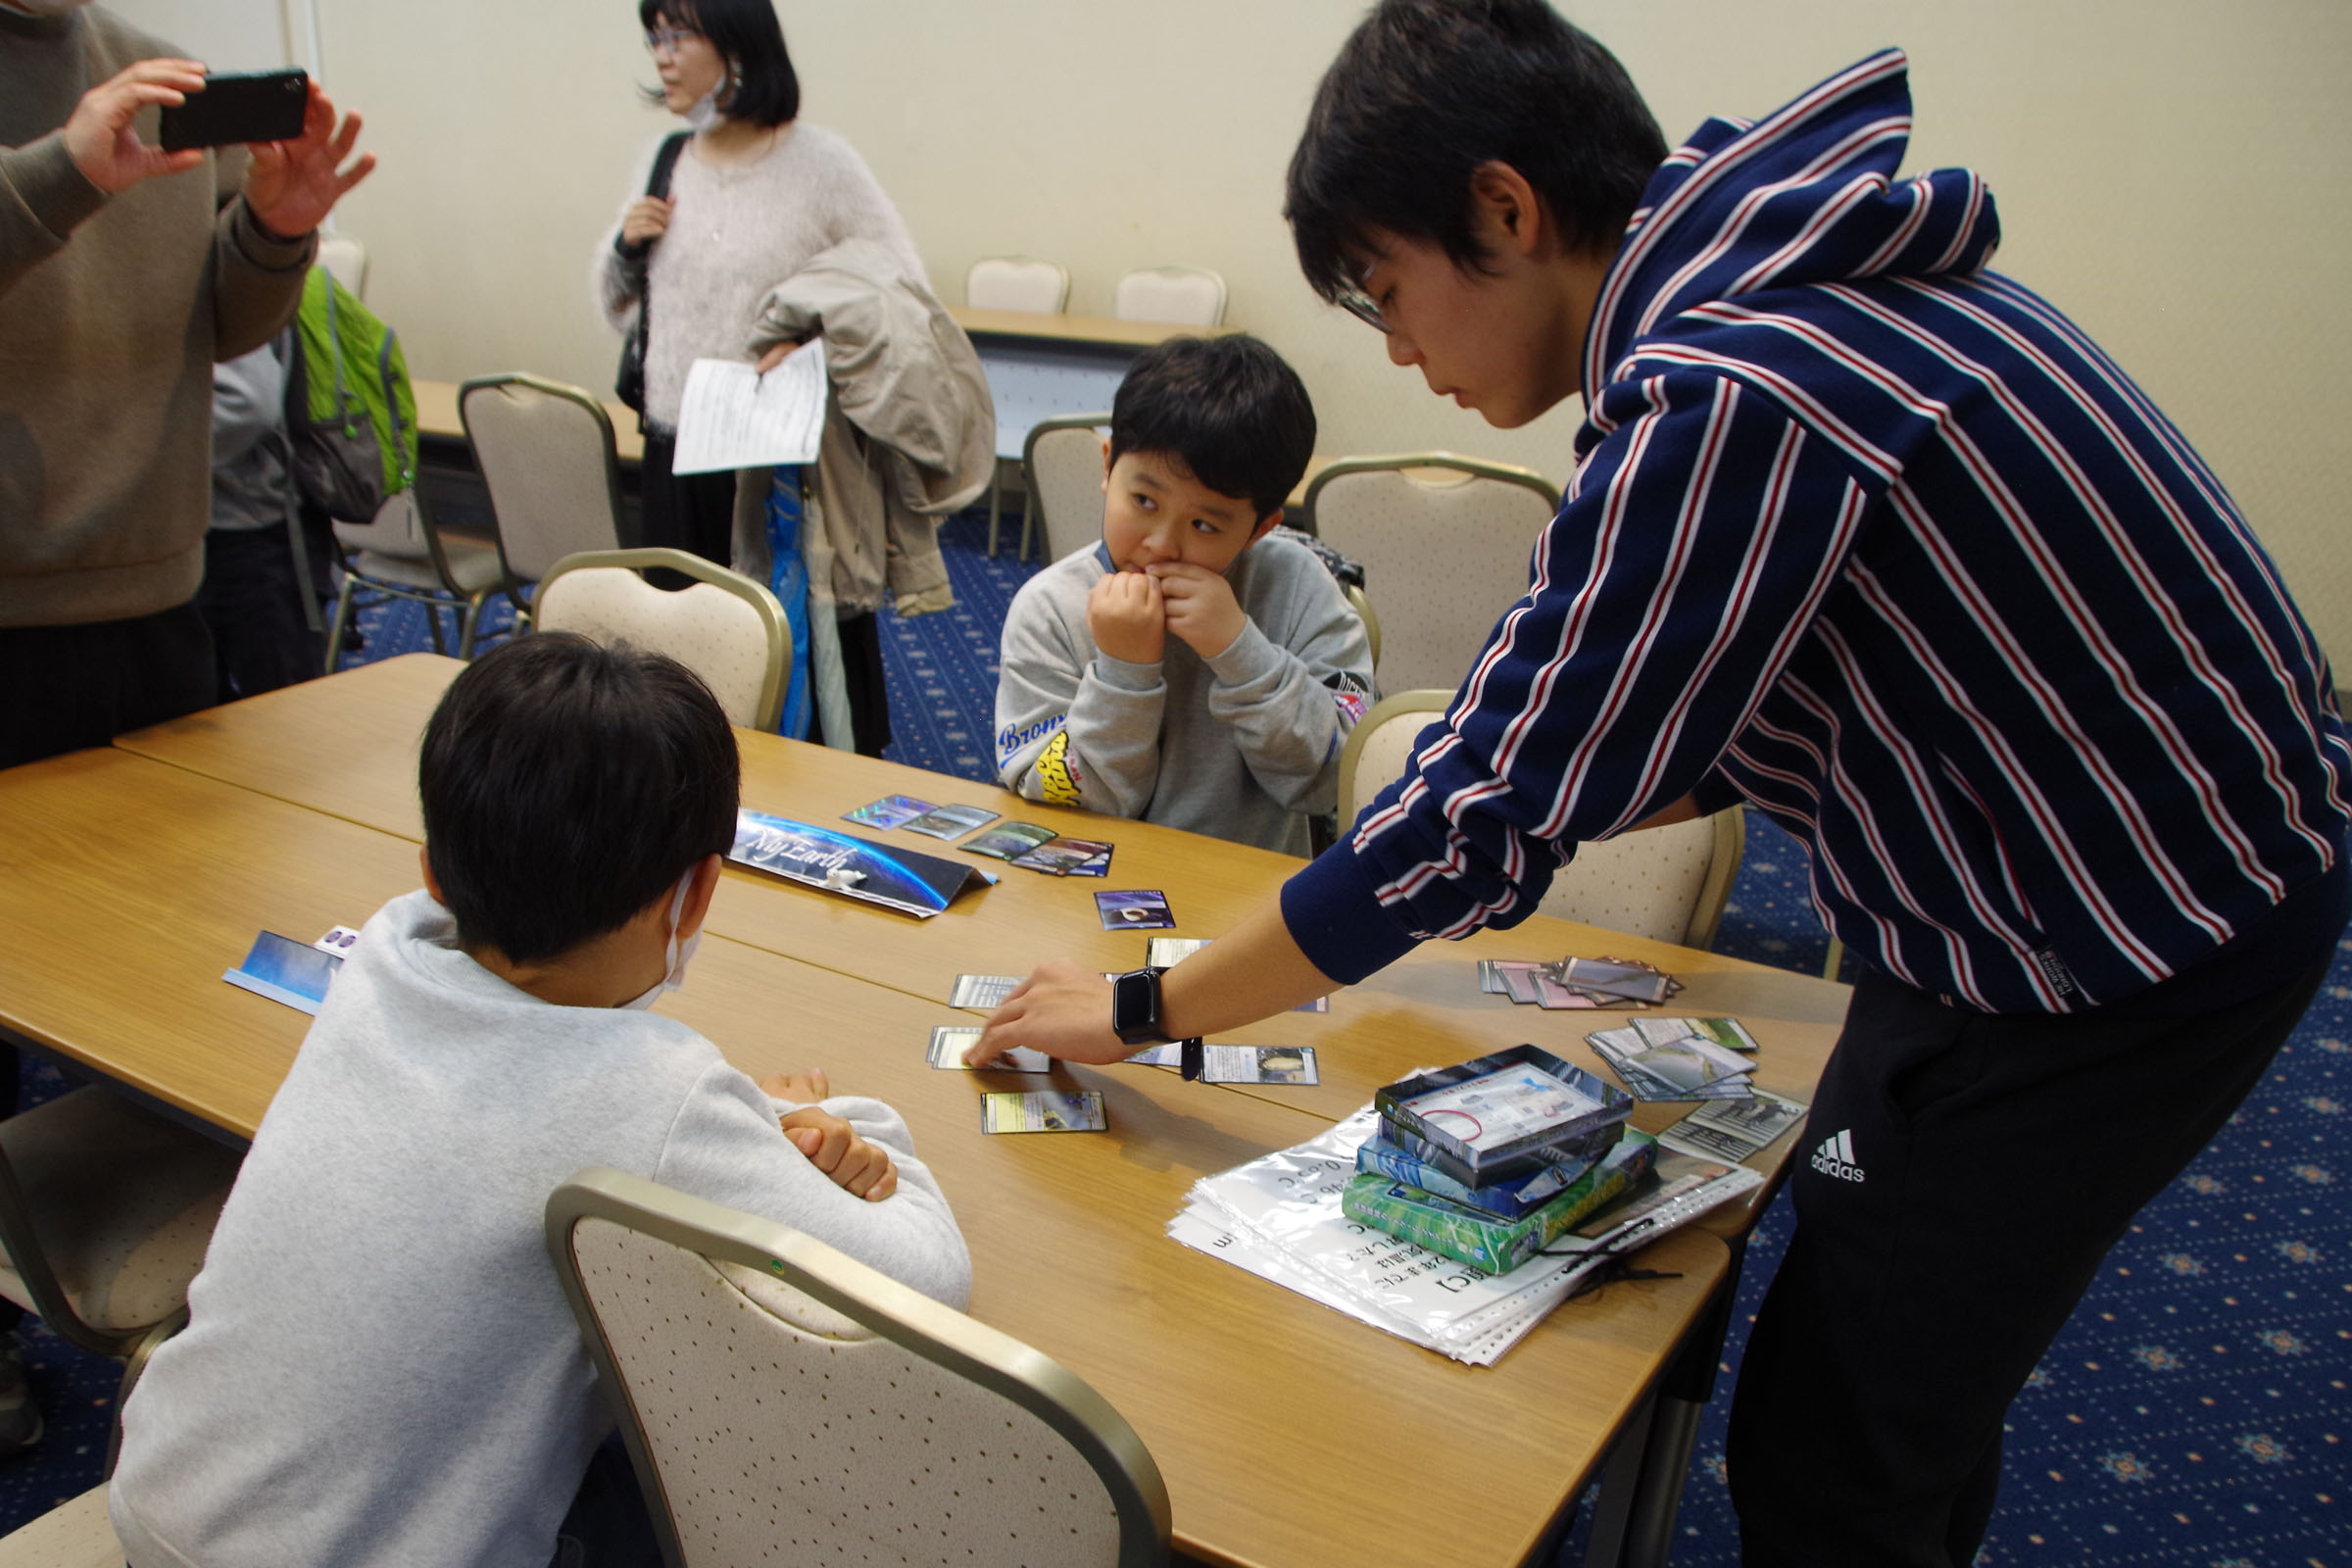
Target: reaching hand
[(98, 134), (1200, 607), (292, 185), (1061, 1010), (1125, 617), (860, 1168)]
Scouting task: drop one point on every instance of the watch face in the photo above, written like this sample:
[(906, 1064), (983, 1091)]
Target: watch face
[(1135, 1004)]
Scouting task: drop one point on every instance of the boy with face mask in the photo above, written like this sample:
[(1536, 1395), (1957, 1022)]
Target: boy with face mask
[(378, 1289)]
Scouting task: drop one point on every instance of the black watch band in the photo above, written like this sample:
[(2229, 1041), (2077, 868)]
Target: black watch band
[(1135, 1017)]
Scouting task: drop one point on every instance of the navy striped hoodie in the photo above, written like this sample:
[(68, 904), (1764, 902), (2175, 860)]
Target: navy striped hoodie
[(1878, 541)]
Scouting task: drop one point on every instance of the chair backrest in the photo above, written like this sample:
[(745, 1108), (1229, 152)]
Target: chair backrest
[(1190, 296), (546, 455), (1457, 532), (1062, 460), (726, 628), (785, 1402), (1018, 284), (1669, 884), (347, 260)]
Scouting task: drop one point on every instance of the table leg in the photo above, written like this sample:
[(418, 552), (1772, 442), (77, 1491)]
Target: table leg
[(1620, 1481)]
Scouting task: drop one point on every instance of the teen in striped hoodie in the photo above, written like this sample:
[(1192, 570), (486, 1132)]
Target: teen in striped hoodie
[(1873, 538)]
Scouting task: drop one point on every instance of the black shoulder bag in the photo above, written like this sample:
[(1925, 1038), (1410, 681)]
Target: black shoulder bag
[(629, 384)]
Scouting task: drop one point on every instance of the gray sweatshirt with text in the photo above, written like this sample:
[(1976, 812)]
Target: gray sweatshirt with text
[(1243, 746)]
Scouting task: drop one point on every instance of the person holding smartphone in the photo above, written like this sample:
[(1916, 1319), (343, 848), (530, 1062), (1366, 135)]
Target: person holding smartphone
[(125, 272), (755, 193)]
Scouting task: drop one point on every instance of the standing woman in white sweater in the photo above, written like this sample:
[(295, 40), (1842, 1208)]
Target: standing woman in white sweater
[(754, 194)]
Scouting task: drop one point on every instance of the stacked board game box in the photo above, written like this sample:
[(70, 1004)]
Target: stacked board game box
[(1490, 1161)]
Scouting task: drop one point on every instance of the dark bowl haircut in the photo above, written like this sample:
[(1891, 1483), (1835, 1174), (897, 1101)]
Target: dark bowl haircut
[(566, 786), (748, 36), (1227, 408), (1423, 92)]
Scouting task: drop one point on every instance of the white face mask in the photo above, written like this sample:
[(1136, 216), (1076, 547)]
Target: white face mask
[(674, 956), (704, 113)]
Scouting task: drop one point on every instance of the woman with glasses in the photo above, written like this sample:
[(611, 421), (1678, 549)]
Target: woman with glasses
[(754, 194)]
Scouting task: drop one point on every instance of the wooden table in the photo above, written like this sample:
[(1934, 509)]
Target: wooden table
[(131, 883), (348, 746), (437, 417)]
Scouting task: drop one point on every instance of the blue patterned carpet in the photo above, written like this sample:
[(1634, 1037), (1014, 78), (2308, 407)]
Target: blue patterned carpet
[(2193, 1413)]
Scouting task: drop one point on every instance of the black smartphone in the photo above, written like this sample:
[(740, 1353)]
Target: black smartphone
[(238, 106)]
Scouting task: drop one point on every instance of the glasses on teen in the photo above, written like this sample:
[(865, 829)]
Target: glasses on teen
[(1352, 299), (657, 39)]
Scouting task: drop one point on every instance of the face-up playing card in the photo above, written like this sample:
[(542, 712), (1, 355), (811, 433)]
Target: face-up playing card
[(889, 811), (1008, 838), (1066, 857), (1259, 1064), (950, 1042), (983, 993), (1136, 909), (1043, 1110), (950, 821)]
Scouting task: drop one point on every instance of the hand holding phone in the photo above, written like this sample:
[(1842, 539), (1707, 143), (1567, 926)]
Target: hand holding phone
[(98, 134), (235, 107)]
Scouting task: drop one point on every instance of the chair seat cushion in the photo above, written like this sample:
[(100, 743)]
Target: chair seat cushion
[(122, 1202)]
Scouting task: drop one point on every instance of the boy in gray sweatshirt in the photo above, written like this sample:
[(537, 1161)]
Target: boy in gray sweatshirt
[(1189, 671), (380, 1366)]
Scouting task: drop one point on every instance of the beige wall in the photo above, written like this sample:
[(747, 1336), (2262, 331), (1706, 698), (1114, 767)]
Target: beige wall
[(2172, 172)]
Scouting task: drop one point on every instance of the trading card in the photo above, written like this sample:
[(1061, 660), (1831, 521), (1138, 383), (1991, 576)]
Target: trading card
[(1008, 838), (1319, 1004), (1550, 995), (1063, 857), (1728, 1033), (1134, 910), (1615, 977), (985, 993), (1167, 1054), (286, 970), (1099, 866), (1165, 952), (1490, 977), (1688, 1068), (1259, 1064), (1043, 1110), (889, 811), (950, 821), (337, 941), (1734, 1129), (1519, 982), (950, 1042)]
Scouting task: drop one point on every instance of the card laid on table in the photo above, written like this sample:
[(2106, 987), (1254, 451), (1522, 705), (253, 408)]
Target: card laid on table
[(286, 970), (1065, 856), (1043, 1110), (984, 991), (1258, 1064), (950, 1042), (889, 811), (1008, 839), (950, 821), (1134, 910)]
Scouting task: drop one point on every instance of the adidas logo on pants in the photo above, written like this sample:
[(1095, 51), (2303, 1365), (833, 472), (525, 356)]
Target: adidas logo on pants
[(1835, 1158)]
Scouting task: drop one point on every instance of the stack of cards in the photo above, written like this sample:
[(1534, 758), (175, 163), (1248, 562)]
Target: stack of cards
[(1576, 982), (1681, 1058), (1732, 1129)]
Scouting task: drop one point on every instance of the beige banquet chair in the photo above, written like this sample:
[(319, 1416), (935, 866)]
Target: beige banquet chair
[(546, 455), (1018, 284), (346, 259), (1188, 296), (726, 628), (1062, 463), (400, 555), (784, 1402), (1668, 884), (1444, 541), (75, 1534), (106, 1209)]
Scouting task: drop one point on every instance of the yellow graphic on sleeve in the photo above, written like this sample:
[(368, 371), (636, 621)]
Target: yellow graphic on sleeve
[(1053, 772)]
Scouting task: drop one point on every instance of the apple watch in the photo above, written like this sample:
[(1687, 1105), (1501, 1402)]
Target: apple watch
[(1135, 1017)]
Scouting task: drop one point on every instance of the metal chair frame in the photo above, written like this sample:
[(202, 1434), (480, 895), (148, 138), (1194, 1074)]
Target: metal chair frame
[(1006, 1366)]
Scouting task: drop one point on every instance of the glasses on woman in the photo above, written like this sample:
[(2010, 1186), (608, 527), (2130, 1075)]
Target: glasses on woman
[(657, 39)]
